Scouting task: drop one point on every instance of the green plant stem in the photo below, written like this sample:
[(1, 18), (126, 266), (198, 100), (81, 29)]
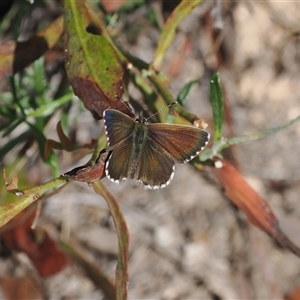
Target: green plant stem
[(40, 189), (167, 96), (223, 143)]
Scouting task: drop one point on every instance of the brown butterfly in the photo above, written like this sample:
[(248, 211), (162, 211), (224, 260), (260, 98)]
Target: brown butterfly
[(146, 152)]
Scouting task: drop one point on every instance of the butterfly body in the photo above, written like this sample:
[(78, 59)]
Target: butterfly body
[(139, 141), (147, 152)]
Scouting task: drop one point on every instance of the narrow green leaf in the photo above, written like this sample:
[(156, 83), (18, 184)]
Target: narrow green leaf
[(50, 107), (216, 100), (185, 91), (168, 33), (39, 81), (53, 163), (29, 195), (24, 136), (225, 143), (259, 135), (11, 126), (10, 210)]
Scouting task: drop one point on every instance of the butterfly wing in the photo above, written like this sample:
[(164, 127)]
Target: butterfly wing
[(118, 165), (156, 168), (118, 126), (181, 142)]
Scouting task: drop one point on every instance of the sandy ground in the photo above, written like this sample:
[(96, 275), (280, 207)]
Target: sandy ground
[(187, 240)]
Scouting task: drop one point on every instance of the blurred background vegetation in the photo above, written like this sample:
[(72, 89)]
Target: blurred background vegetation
[(187, 240)]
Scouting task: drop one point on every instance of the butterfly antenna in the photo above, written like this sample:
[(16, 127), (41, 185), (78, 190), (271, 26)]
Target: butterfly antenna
[(125, 103), (159, 111)]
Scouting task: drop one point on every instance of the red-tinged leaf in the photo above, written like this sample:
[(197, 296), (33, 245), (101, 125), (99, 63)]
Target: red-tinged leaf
[(294, 295), (64, 144), (15, 56), (65, 141), (91, 63), (251, 203), (43, 252), (89, 173), (49, 145)]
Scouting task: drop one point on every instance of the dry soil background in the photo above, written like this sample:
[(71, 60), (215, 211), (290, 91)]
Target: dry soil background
[(187, 240)]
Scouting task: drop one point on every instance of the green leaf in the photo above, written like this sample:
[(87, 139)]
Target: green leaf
[(185, 91), (10, 210), (24, 136), (26, 197), (91, 63), (39, 81), (259, 135), (168, 33), (53, 162), (217, 104), (50, 107), (10, 126)]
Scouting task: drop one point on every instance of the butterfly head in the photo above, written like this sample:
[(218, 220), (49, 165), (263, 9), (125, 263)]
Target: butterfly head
[(140, 118)]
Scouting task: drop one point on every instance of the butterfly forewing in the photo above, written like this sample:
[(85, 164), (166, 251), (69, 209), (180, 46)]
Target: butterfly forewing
[(118, 126), (155, 168), (181, 142)]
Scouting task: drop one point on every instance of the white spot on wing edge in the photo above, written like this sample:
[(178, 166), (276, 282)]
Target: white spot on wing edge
[(105, 127), (109, 177), (155, 187), (193, 156)]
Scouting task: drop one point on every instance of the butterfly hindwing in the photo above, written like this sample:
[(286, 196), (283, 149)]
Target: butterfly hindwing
[(181, 142), (155, 168), (118, 126)]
